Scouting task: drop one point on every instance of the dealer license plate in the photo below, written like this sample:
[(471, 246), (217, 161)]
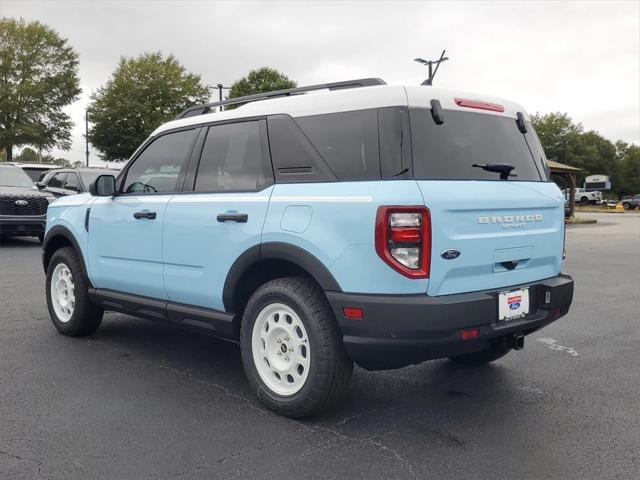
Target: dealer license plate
[(514, 304)]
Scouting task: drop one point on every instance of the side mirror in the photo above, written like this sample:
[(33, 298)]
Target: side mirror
[(103, 186), (41, 185)]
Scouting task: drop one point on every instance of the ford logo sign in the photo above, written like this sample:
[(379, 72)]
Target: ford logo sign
[(21, 203), (450, 254)]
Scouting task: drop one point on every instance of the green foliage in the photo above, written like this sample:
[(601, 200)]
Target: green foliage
[(567, 142), (142, 93), (262, 80), (27, 155), (38, 78)]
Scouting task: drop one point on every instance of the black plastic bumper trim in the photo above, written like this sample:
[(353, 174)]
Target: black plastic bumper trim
[(397, 330)]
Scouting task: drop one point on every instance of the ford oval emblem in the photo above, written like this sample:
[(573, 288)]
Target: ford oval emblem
[(21, 203), (450, 254)]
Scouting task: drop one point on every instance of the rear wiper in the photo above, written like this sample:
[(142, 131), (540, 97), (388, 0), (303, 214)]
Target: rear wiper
[(504, 169)]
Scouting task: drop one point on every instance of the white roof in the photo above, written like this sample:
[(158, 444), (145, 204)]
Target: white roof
[(323, 101), (44, 166)]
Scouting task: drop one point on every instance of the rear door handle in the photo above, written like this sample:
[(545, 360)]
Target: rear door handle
[(144, 214), (233, 217)]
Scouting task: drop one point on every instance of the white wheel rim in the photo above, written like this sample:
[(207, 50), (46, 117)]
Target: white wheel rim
[(62, 292), (280, 348)]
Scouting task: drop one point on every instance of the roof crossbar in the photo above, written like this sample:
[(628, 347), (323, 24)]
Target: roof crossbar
[(202, 109)]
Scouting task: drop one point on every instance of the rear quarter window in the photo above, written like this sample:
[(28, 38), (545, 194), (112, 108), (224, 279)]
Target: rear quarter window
[(347, 141), (448, 151)]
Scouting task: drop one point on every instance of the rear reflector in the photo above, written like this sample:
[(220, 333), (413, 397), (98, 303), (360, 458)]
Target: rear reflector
[(470, 333), (463, 102), (352, 313)]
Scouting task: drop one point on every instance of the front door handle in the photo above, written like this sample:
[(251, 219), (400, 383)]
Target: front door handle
[(233, 217), (144, 214)]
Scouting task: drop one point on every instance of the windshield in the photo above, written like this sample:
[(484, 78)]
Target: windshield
[(14, 177), (449, 151), (89, 177)]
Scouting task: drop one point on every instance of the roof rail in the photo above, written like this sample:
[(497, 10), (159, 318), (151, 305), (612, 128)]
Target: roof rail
[(202, 109)]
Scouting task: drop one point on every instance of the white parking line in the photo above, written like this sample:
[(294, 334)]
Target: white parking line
[(553, 345)]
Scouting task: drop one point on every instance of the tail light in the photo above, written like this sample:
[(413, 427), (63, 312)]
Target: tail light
[(403, 239)]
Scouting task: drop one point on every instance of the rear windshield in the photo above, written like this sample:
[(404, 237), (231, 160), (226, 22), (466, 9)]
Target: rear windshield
[(448, 151)]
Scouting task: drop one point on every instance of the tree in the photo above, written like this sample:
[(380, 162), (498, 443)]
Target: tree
[(141, 94), (567, 142), (262, 80), (38, 78), (558, 135), (628, 179), (27, 155)]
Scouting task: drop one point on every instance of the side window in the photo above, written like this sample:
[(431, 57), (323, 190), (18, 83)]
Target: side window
[(72, 182), (295, 160), (232, 159), (348, 142), (57, 181), (158, 167)]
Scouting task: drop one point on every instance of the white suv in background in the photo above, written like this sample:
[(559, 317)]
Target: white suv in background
[(585, 198)]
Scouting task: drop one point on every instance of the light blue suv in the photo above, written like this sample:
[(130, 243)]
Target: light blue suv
[(322, 226)]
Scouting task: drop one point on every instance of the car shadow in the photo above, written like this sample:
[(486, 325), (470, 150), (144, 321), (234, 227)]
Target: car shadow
[(416, 397), (19, 242)]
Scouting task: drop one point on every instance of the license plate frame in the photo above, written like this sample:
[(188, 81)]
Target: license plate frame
[(513, 304)]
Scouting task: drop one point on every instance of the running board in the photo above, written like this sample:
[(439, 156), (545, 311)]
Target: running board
[(215, 322)]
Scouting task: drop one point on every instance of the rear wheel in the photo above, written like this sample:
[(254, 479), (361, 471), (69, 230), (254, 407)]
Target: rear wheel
[(292, 349), (70, 309), (584, 201), (497, 351), (626, 206)]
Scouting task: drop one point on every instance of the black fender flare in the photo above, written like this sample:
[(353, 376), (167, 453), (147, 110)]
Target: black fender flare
[(276, 251), (62, 231)]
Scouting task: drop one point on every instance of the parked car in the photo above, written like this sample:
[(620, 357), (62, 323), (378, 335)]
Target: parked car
[(34, 170), (382, 225), (584, 197), (23, 208), (631, 203), (610, 202), (69, 181)]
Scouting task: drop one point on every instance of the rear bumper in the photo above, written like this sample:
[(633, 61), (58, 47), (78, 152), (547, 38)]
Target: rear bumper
[(398, 330), (22, 225)]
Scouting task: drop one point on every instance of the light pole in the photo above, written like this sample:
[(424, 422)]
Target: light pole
[(220, 87), (86, 134), (429, 63)]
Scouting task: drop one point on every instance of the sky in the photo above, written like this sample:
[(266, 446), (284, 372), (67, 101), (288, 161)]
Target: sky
[(578, 57)]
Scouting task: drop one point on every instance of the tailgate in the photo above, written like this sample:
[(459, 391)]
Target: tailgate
[(507, 233)]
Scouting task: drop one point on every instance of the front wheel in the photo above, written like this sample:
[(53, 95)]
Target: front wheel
[(70, 309), (292, 349), (584, 201), (626, 206)]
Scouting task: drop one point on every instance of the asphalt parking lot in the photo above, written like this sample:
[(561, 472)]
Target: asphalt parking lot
[(140, 400)]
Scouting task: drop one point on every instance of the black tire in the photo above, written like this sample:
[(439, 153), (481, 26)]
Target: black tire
[(584, 201), (86, 316), (497, 351), (330, 368), (626, 206)]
